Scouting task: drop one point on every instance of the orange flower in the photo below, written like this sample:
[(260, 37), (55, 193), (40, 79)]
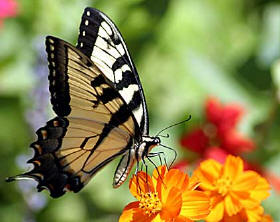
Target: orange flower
[(233, 191), (166, 196)]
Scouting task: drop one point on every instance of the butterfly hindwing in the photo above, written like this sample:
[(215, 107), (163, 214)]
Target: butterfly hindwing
[(94, 124), (101, 41)]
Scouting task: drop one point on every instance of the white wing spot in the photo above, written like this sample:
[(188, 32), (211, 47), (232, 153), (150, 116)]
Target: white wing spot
[(120, 49), (51, 47), (118, 75), (127, 93), (102, 33), (101, 43), (106, 27), (138, 114), (108, 72), (88, 13), (51, 41), (52, 55), (120, 71), (86, 22), (84, 33), (81, 45), (103, 56)]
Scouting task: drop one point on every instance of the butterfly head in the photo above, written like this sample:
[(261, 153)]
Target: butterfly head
[(147, 144)]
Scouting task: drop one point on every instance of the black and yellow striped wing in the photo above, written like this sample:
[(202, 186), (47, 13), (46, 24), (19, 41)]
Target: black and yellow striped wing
[(94, 124), (102, 42)]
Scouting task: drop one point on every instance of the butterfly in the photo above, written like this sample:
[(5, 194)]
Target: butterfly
[(100, 106)]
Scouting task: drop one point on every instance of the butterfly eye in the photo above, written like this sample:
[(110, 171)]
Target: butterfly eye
[(157, 140)]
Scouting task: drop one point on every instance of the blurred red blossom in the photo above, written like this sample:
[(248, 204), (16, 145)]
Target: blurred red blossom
[(8, 8), (218, 131)]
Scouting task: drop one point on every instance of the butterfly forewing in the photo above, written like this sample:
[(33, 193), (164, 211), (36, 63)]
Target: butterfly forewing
[(94, 124), (101, 41)]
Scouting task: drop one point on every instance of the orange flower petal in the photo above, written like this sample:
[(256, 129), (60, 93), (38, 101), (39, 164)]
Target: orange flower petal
[(194, 182), (246, 181), (157, 219), (172, 205), (157, 178), (255, 214), (249, 203), (208, 172), (266, 218), (181, 219), (261, 191), (195, 205), (235, 218), (233, 167), (141, 183), (173, 178), (176, 178), (132, 213), (232, 205), (217, 212)]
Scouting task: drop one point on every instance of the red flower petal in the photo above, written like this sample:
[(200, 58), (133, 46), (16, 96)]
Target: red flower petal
[(195, 141), (236, 143), (216, 153), (213, 111), (224, 118), (230, 117)]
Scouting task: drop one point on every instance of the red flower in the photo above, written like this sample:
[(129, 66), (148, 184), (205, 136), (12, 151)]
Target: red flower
[(8, 8), (219, 130)]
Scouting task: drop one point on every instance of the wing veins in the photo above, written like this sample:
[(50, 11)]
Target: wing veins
[(85, 151)]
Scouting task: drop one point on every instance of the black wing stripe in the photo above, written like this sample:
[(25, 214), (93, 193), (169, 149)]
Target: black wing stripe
[(59, 88)]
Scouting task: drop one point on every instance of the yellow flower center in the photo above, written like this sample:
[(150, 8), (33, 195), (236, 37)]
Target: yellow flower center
[(150, 203), (224, 184)]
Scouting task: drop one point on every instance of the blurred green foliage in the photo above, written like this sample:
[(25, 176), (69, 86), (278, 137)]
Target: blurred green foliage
[(185, 51)]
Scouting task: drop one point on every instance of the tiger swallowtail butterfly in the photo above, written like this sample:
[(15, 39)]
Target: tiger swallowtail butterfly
[(100, 106)]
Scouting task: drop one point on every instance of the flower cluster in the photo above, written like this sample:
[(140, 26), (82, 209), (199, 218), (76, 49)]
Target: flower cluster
[(235, 194), (166, 196), (218, 136), (215, 192)]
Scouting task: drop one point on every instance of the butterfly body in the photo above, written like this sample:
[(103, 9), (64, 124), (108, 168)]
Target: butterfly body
[(137, 153), (100, 106)]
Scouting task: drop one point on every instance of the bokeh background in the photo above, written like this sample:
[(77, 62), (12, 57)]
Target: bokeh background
[(185, 51)]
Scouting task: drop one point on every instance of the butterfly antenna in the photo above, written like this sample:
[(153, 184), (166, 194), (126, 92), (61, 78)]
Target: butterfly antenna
[(186, 120), (165, 136)]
